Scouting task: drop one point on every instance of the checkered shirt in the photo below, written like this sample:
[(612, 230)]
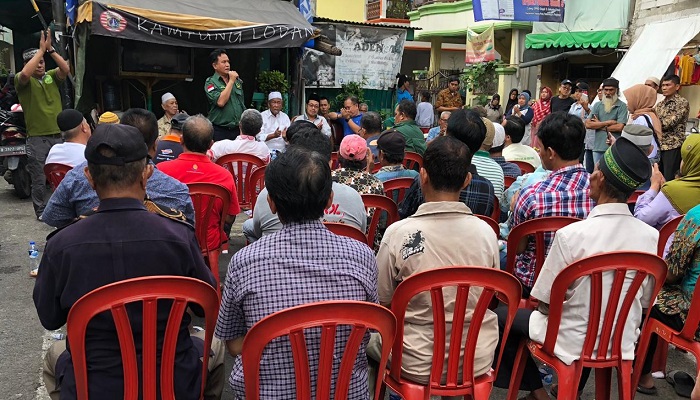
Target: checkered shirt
[(302, 263), (564, 193)]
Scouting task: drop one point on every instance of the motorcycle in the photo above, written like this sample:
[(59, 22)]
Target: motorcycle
[(13, 151)]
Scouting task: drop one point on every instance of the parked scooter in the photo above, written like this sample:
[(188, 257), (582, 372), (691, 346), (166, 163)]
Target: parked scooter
[(13, 151)]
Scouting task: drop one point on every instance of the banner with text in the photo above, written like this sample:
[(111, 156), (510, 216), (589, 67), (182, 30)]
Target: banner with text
[(519, 10), (372, 54), (480, 47)]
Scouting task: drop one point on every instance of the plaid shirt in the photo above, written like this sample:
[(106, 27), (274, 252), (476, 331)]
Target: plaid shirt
[(302, 263), (563, 193), (509, 168)]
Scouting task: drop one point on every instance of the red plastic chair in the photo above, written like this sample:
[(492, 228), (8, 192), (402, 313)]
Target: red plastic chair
[(241, 167), (492, 223), (55, 173), (204, 196), (395, 189), (525, 167), (386, 207), (609, 335), (496, 213), (257, 184), (412, 160), (346, 230), (538, 228), (376, 167), (634, 196), (507, 181), (334, 158), (147, 290), (327, 315), (494, 283)]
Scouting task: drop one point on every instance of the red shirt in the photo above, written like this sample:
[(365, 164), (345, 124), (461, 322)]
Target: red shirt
[(198, 168)]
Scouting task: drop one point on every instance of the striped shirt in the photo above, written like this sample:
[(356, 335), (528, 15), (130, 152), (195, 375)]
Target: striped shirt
[(564, 193), (489, 169)]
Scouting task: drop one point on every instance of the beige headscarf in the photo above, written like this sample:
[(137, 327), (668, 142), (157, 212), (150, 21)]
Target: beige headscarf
[(640, 100)]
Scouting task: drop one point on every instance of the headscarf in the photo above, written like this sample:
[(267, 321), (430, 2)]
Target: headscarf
[(641, 100), (684, 193), (527, 100), (494, 97), (541, 109), (511, 103)]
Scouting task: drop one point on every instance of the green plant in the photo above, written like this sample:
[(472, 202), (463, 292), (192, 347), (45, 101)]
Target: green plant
[(272, 81), (350, 89), (481, 78)]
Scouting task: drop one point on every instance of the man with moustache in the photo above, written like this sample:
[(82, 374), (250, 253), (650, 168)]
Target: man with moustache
[(607, 117), (224, 92), (673, 113)]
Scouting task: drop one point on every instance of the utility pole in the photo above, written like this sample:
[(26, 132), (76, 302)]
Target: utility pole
[(58, 9)]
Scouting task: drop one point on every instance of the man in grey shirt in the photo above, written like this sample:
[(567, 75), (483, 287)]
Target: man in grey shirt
[(347, 204)]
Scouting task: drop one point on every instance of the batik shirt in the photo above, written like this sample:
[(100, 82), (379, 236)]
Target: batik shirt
[(673, 113), (363, 182)]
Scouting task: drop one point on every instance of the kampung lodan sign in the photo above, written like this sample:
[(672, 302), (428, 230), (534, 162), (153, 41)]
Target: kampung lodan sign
[(370, 54), (519, 10), (118, 23)]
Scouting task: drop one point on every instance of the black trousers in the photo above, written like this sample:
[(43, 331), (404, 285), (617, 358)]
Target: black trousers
[(670, 163), (221, 133), (673, 321), (519, 330)]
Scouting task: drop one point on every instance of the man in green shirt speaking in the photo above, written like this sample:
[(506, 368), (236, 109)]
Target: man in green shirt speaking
[(224, 91), (40, 98)]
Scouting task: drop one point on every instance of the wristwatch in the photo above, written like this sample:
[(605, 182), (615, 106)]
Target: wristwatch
[(50, 51)]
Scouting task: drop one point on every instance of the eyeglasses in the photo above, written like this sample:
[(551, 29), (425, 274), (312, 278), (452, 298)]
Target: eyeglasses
[(444, 119)]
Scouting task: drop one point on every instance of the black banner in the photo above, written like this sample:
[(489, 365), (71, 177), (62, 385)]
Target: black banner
[(120, 24)]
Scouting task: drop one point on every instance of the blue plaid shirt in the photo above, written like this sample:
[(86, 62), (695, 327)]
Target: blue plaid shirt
[(509, 168), (74, 196), (302, 263)]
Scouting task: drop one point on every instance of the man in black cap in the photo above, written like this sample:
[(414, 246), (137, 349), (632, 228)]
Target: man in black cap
[(170, 146), (84, 256), (76, 132), (391, 146), (609, 227), (564, 101), (607, 117)]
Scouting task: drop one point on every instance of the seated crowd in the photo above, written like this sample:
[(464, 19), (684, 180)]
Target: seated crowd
[(134, 217)]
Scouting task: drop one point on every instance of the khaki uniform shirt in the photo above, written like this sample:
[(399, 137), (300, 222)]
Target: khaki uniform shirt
[(448, 99), (438, 234), (163, 126)]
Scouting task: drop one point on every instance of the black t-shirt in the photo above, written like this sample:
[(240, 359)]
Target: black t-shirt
[(559, 104), (167, 150)]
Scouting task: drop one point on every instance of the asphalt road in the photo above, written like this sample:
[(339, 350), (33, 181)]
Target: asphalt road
[(23, 340)]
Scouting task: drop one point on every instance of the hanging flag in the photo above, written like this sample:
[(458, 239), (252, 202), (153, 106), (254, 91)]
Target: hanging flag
[(480, 47)]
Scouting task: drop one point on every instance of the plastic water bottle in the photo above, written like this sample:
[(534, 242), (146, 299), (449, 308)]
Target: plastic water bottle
[(546, 375), (33, 256)]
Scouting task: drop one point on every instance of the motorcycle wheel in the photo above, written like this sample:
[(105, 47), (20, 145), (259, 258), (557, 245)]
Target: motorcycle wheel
[(22, 181)]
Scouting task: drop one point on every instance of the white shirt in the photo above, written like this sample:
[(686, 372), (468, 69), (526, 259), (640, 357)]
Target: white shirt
[(609, 227), (325, 127), (425, 114), (67, 153), (270, 124), (521, 152), (242, 144)]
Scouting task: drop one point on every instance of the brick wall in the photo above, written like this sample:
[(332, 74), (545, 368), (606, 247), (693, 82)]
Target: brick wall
[(649, 11)]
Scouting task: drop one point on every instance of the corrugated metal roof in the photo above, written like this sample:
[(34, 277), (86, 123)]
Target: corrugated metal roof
[(375, 24)]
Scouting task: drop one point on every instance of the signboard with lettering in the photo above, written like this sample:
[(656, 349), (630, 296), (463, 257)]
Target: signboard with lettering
[(370, 54), (519, 10), (121, 24), (480, 47)]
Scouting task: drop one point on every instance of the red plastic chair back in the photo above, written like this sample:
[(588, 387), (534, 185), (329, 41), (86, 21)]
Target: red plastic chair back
[(386, 207), (507, 181), (634, 196), (412, 160), (346, 230), (356, 316), (257, 184), (241, 167), (55, 173), (665, 233), (395, 189), (335, 163), (492, 223), (493, 283), (376, 167), (525, 167), (148, 291), (537, 227), (496, 213), (204, 197)]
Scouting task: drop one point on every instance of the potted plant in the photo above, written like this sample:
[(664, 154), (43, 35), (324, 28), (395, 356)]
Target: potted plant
[(273, 81)]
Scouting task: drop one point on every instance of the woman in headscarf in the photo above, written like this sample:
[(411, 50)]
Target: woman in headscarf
[(494, 111), (524, 111), (402, 86), (640, 104), (512, 100), (540, 109)]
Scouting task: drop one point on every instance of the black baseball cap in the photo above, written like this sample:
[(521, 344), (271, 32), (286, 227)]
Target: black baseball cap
[(567, 82), (124, 140), (177, 121), (392, 142)]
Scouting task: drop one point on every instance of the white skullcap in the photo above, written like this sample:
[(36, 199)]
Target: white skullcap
[(274, 95), (500, 137), (166, 97)]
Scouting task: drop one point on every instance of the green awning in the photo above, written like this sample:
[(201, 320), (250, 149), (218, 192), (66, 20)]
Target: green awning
[(595, 39)]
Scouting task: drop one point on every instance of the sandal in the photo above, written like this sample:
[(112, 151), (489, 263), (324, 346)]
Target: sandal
[(33, 273), (681, 382), (645, 390)]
